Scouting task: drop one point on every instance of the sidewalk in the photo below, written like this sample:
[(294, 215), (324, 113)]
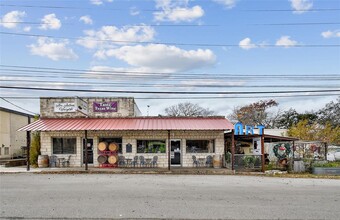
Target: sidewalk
[(96, 170)]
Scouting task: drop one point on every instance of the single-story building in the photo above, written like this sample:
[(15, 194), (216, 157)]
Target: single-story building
[(112, 129)]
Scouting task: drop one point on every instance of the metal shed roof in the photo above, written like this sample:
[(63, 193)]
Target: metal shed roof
[(147, 123)]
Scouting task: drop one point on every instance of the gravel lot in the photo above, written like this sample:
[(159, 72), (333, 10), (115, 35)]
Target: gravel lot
[(115, 196)]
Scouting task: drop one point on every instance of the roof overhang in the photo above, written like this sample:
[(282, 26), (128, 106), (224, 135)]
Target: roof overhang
[(143, 123), (267, 138)]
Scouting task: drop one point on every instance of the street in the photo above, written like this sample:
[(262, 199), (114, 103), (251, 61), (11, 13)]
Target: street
[(115, 196)]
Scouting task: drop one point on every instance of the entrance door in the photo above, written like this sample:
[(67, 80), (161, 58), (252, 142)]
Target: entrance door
[(175, 152), (89, 151)]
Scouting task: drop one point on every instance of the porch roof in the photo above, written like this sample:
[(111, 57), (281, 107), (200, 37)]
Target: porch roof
[(137, 123)]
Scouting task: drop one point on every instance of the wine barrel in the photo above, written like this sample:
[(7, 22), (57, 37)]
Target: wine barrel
[(43, 161), (112, 159), (102, 146), (113, 146), (102, 159), (217, 161)]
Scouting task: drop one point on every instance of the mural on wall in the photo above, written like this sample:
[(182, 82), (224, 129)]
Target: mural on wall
[(282, 152)]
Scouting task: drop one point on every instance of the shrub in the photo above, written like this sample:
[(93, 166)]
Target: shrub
[(35, 148)]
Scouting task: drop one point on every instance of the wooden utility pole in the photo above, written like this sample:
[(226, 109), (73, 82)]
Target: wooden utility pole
[(232, 150), (262, 151)]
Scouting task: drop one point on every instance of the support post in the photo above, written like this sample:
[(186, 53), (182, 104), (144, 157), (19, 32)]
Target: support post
[(232, 150), (86, 153), (28, 139), (262, 151), (326, 150), (169, 150)]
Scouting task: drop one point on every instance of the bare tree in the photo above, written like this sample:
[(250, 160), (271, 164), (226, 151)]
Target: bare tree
[(188, 109)]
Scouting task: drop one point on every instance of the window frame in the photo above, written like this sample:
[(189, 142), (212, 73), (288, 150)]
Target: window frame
[(209, 140), (147, 143), (62, 150)]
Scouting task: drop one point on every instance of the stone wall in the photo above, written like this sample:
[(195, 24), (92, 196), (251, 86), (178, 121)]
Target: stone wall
[(132, 137), (126, 107)]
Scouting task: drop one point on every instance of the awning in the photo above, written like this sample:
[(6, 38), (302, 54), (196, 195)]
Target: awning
[(145, 123)]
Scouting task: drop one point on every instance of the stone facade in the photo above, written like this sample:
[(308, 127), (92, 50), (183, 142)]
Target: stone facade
[(126, 107), (131, 137)]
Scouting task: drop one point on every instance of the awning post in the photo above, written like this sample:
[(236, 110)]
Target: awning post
[(86, 153), (28, 139), (169, 150), (232, 149)]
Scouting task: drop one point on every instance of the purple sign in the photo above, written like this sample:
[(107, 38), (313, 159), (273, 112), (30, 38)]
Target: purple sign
[(105, 106)]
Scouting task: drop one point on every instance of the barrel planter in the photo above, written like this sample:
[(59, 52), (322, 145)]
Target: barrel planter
[(112, 159), (113, 146), (217, 161), (102, 146), (102, 159), (43, 161), (326, 170)]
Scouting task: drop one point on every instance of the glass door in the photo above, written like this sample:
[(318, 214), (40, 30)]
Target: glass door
[(175, 152), (89, 151)]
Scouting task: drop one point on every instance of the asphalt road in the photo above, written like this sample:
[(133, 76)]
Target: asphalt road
[(112, 196)]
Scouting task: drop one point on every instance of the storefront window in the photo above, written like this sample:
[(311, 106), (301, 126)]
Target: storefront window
[(109, 140), (200, 146), (64, 145), (150, 146)]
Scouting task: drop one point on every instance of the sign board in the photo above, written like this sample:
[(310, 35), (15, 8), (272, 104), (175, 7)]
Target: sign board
[(81, 106), (249, 130), (65, 107), (105, 106)]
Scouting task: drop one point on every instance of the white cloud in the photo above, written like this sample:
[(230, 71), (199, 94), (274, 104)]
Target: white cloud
[(286, 42), (50, 21), (11, 19), (101, 38), (27, 28), (330, 34), (246, 44), (99, 2), (301, 6), (177, 11), (53, 50), (162, 57), (226, 3), (134, 11), (86, 19)]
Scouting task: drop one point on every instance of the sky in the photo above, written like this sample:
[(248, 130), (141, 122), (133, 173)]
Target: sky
[(216, 46)]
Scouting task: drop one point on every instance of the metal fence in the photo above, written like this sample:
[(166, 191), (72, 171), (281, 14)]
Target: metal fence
[(247, 162)]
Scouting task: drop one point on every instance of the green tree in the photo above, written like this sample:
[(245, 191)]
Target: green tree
[(35, 148), (330, 113), (256, 113)]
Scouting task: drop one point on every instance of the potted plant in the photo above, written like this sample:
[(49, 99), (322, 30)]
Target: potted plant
[(324, 167)]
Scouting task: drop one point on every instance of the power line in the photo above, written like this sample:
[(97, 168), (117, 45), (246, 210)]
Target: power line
[(204, 97), (17, 106), (166, 43), (128, 84), (297, 24), (169, 92), (155, 10)]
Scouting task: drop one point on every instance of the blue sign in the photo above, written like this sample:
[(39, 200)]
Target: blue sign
[(238, 129)]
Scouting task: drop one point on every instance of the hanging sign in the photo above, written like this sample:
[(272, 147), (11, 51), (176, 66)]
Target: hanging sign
[(81, 106), (238, 129), (65, 107), (105, 106)]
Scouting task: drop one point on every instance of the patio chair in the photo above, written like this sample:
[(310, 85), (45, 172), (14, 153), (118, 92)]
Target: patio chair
[(209, 161), (134, 163), (142, 161), (66, 162), (195, 161), (53, 161), (154, 161), (121, 161)]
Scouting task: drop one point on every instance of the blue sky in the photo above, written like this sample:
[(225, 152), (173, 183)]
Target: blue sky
[(234, 37)]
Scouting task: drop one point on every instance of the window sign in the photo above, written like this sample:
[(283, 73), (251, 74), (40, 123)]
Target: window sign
[(65, 107), (105, 106)]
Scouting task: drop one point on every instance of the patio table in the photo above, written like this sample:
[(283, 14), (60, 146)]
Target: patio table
[(148, 162), (201, 161), (128, 162), (60, 161)]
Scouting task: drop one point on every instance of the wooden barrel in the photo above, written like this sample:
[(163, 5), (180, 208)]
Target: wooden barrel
[(43, 161), (102, 146), (113, 146), (217, 161), (102, 159), (112, 159)]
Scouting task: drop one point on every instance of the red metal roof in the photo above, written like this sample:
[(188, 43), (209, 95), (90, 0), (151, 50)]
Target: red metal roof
[(147, 123)]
